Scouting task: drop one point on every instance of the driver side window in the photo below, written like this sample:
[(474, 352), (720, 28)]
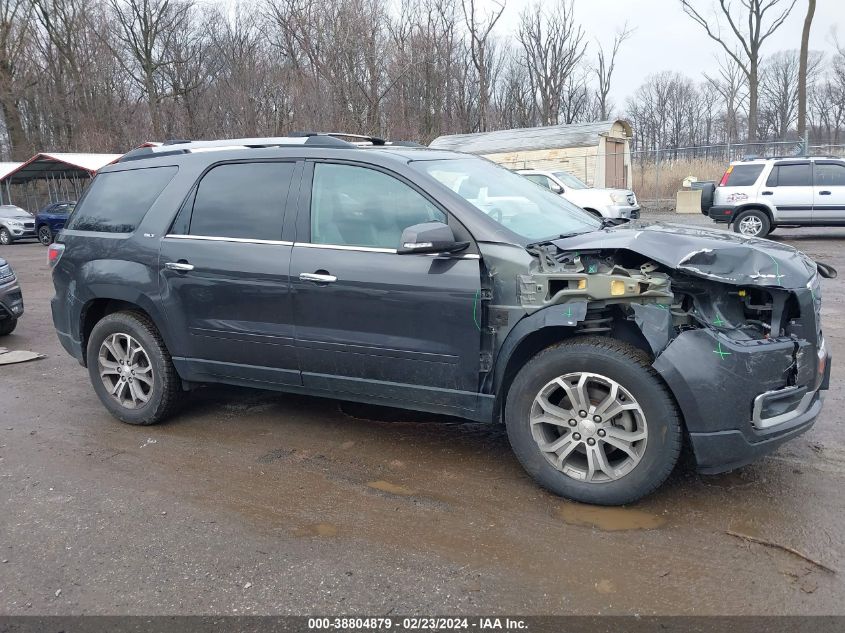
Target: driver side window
[(357, 206)]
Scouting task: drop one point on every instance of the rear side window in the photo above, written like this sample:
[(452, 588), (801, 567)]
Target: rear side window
[(743, 175), (830, 175), (116, 202), (790, 175), (242, 200)]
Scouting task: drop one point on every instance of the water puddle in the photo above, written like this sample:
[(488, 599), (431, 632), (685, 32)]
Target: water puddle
[(394, 489), (317, 529), (609, 519)]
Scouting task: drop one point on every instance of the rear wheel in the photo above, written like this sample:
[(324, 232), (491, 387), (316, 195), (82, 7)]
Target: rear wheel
[(45, 235), (131, 370), (5, 236), (752, 223), (590, 420), (8, 326)]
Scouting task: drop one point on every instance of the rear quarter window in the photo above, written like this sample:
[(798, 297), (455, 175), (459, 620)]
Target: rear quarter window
[(744, 175), (116, 202)]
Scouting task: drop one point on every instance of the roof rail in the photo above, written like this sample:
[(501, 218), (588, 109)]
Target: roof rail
[(309, 139)]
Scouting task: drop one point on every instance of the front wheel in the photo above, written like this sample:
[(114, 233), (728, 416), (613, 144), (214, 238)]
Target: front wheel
[(45, 235), (8, 326), (131, 370), (5, 236), (590, 420), (752, 223)]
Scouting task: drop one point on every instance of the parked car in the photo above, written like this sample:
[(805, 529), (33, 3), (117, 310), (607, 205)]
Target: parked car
[(11, 299), (439, 282), (51, 219), (757, 195), (607, 203), (15, 224)]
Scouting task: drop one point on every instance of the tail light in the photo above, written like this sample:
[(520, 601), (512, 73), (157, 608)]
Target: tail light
[(724, 180), (54, 253)]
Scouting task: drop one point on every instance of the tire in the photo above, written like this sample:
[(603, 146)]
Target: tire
[(604, 361), (45, 235), (163, 387), (8, 326), (751, 219), (6, 238)]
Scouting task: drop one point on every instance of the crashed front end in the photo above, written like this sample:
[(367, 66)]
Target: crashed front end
[(733, 326)]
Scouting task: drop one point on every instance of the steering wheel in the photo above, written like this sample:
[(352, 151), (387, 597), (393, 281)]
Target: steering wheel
[(496, 214)]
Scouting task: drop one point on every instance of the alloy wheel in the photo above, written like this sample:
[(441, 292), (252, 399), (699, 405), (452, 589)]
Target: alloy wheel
[(45, 236), (125, 370), (750, 225), (589, 427)]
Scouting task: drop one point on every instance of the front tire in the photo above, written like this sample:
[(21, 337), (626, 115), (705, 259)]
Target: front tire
[(8, 326), (131, 370), (752, 223), (6, 238), (45, 235), (590, 420)]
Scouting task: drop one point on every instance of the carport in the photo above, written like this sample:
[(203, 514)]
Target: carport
[(50, 177)]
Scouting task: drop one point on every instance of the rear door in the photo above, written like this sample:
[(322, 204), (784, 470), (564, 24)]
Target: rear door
[(829, 192), (789, 187), (369, 321), (225, 269)]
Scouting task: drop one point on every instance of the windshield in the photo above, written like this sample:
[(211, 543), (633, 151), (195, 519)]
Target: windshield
[(511, 200), (569, 180)]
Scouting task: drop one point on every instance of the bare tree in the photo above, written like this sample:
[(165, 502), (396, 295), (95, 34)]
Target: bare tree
[(552, 47), (482, 54), (748, 30), (605, 65), (802, 68), (149, 30), (14, 15), (731, 84)]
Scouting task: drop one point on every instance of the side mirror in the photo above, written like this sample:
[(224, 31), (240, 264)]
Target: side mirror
[(429, 237), (556, 188)]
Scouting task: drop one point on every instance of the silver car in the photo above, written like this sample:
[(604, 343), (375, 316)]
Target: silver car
[(15, 224), (757, 195)]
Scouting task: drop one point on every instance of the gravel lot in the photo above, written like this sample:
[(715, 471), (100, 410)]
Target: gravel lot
[(263, 503)]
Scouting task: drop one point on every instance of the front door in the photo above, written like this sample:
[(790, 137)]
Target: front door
[(829, 192), (225, 269), (372, 322), (789, 187)]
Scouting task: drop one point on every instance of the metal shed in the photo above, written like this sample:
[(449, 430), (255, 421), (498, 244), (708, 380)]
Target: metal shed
[(65, 176), (598, 153)]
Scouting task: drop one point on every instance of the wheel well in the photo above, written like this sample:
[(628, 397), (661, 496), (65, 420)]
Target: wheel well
[(97, 309), (621, 329), (527, 348), (755, 207), (593, 211)]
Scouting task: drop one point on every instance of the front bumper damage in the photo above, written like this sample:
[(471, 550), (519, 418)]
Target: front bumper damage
[(733, 326)]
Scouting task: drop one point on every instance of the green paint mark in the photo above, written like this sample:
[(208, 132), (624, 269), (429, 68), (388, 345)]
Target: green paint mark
[(722, 353), (569, 311), (660, 305), (593, 268), (718, 321), (475, 309), (778, 276)]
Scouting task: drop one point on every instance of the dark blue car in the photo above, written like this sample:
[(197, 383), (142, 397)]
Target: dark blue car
[(51, 219)]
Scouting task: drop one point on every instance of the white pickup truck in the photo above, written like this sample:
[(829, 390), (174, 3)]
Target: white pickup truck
[(608, 203)]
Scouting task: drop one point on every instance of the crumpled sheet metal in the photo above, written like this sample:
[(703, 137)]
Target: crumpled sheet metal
[(707, 253)]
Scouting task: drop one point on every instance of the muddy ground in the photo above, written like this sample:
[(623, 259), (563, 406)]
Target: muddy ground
[(254, 502)]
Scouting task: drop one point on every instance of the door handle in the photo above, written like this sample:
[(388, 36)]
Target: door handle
[(182, 267), (317, 277), (768, 193), (824, 193)]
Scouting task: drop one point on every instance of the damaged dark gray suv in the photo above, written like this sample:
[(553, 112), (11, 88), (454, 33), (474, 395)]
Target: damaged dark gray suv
[(439, 282)]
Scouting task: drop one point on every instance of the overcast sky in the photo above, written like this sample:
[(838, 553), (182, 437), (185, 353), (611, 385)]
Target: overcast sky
[(666, 39)]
